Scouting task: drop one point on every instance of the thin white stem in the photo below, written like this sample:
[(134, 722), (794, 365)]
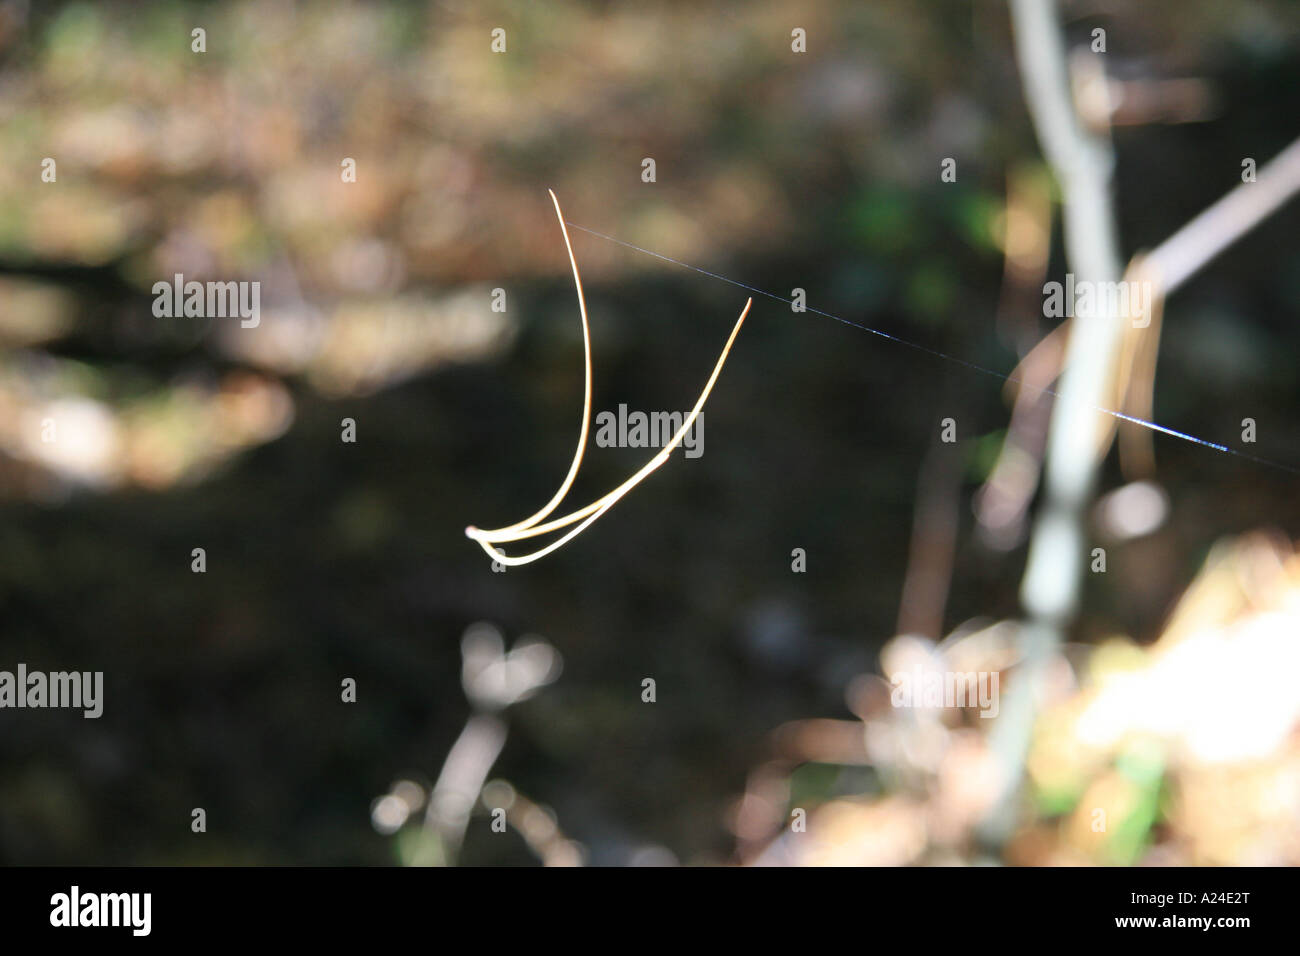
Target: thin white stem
[(1082, 163), (1191, 247)]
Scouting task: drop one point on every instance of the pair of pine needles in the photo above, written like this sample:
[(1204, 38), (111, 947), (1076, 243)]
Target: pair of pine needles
[(536, 525)]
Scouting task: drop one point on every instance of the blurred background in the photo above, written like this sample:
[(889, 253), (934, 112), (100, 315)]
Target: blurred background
[(1174, 708)]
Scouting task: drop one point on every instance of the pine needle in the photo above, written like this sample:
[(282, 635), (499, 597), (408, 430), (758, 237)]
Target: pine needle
[(533, 525)]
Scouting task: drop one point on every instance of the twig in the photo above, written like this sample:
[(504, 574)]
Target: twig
[(1218, 227), (1082, 162)]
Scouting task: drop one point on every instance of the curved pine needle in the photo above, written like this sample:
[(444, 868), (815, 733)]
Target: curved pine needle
[(586, 391), (530, 526)]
